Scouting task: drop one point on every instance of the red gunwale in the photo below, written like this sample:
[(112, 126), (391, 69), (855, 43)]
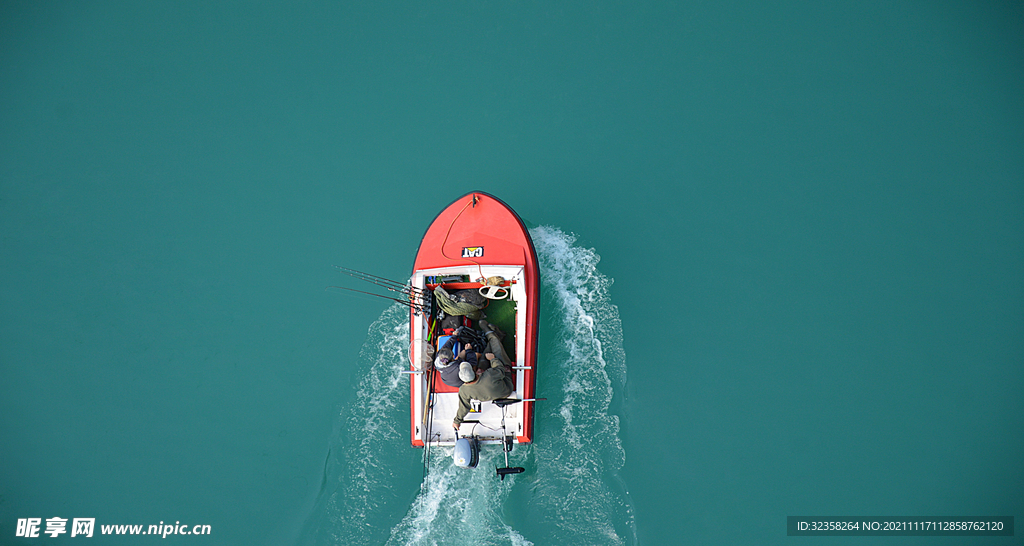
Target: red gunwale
[(492, 224)]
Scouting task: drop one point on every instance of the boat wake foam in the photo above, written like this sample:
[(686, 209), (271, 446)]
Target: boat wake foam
[(359, 488), (578, 493), (570, 493), (459, 506)]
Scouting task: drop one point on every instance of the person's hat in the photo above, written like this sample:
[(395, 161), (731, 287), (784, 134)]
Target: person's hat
[(444, 357), (466, 373)]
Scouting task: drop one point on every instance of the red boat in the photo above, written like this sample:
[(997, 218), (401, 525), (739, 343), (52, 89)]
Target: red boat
[(477, 244)]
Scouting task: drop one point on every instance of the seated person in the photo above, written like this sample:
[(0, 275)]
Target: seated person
[(448, 364), (494, 383)]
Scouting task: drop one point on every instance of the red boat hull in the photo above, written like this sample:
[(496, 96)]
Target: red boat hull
[(480, 230)]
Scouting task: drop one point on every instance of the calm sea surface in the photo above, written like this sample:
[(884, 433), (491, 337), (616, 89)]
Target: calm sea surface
[(782, 252)]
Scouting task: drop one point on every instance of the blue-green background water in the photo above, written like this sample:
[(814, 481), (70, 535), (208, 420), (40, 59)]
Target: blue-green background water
[(809, 300)]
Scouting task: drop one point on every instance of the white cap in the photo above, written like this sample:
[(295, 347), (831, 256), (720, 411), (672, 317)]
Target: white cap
[(466, 373)]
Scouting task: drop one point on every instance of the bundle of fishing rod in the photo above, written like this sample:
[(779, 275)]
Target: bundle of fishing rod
[(417, 299)]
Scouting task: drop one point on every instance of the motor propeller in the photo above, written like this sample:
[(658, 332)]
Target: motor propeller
[(509, 470), (506, 444)]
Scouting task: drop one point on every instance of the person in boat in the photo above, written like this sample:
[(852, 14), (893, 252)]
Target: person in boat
[(496, 380), (448, 364)]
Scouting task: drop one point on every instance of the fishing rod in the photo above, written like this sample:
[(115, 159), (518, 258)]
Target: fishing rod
[(355, 272), (428, 422), (381, 281), (418, 307), (428, 407)]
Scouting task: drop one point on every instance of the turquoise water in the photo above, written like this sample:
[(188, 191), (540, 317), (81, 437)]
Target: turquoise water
[(782, 246)]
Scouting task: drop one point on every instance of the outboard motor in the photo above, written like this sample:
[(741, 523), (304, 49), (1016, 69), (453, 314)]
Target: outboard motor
[(467, 452)]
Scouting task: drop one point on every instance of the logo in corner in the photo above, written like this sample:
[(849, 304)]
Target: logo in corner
[(472, 252)]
